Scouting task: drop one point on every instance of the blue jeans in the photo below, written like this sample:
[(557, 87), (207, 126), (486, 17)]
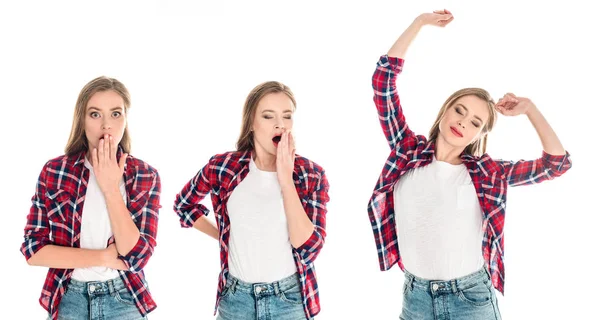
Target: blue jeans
[(466, 298), (98, 300), (280, 300)]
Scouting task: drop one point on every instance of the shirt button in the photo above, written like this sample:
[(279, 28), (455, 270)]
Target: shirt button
[(435, 286)]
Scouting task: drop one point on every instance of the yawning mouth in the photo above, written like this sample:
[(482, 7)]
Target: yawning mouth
[(276, 140)]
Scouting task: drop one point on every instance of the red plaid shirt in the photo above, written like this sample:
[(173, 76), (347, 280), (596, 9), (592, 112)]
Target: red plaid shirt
[(409, 151), (220, 177), (55, 218)]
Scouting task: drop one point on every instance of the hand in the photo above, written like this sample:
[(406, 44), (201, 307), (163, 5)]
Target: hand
[(439, 18), (108, 172), (286, 154), (511, 105), (111, 258)]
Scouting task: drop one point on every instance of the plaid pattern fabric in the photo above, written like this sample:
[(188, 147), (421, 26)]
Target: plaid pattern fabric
[(55, 218), (409, 150), (220, 177)]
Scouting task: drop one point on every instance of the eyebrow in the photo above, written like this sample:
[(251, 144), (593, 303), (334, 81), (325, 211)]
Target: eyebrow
[(269, 110), (475, 116), (96, 108)]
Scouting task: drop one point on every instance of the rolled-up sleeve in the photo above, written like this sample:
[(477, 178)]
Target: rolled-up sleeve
[(37, 228), (316, 209), (147, 223)]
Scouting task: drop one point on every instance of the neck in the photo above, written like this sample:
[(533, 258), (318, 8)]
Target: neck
[(88, 155), (447, 153), (264, 160)]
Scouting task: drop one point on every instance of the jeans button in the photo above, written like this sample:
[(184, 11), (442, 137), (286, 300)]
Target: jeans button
[(258, 289), (92, 288), (435, 286)]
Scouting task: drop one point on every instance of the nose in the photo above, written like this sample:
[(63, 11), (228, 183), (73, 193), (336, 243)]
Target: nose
[(460, 124), (280, 125), (105, 125)]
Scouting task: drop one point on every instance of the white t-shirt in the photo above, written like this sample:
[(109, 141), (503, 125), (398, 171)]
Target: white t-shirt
[(259, 244), (439, 221), (95, 228)]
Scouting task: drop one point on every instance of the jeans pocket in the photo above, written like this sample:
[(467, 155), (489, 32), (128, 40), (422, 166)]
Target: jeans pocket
[(226, 290), (477, 295), (292, 295), (124, 296)]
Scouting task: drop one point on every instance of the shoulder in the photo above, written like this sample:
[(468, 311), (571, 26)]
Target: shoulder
[(484, 164), (308, 167), (140, 166), (60, 161), (229, 156)]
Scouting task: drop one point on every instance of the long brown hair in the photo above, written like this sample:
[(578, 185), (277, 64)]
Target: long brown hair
[(477, 147), (77, 139), (246, 139)]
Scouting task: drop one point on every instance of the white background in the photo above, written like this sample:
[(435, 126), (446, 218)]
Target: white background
[(189, 67)]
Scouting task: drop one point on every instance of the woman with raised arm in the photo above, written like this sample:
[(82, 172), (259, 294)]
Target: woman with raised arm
[(270, 207), (438, 207)]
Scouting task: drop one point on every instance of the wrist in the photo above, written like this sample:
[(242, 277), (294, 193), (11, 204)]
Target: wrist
[(287, 184), (532, 110), (418, 22), (104, 258), (112, 192)]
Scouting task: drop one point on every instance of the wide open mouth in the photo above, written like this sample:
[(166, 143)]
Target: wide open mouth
[(276, 140)]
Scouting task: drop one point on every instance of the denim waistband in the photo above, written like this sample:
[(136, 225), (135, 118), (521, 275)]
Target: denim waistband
[(462, 283), (97, 287), (263, 288)]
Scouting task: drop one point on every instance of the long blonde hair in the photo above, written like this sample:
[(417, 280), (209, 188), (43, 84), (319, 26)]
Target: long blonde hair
[(77, 139), (246, 139), (477, 147)]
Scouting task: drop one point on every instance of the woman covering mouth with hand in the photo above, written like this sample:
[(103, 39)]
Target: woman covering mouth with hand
[(270, 206), (94, 215)]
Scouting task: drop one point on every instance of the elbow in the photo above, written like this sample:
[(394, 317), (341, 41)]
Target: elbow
[(137, 257), (32, 260), (31, 250), (137, 265)]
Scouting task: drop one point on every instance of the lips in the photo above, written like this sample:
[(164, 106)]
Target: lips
[(456, 132)]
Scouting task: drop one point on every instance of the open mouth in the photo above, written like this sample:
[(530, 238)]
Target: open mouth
[(276, 140)]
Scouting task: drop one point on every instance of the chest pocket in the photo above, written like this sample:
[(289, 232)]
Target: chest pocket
[(494, 191), (60, 205), (60, 212)]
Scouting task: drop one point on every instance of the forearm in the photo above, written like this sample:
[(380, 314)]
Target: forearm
[(207, 227), (53, 256), (300, 228), (548, 137), (125, 231), (401, 45)]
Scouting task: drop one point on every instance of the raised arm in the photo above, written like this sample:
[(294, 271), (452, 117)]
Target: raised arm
[(555, 160), (386, 98)]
